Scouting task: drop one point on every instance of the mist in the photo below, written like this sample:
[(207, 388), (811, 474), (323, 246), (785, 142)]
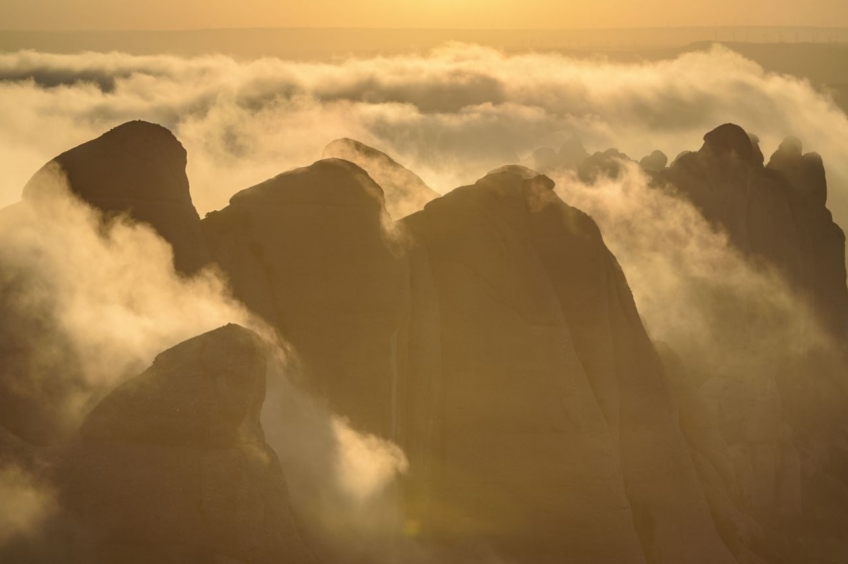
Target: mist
[(450, 114), (694, 289), (91, 300)]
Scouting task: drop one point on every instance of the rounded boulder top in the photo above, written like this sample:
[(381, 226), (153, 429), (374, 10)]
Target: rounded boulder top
[(729, 139), (137, 160)]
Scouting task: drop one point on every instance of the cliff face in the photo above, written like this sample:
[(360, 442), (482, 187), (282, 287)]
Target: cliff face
[(137, 169), (309, 252), (769, 437), (492, 335), (559, 438), (173, 466), (775, 213), (468, 334)]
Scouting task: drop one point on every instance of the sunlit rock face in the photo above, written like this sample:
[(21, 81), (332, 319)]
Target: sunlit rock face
[(137, 169), (310, 251), (404, 191), (173, 465), (774, 213), (559, 440)]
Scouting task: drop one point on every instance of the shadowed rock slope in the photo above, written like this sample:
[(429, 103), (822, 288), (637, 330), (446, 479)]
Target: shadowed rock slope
[(495, 338), (310, 252), (173, 465), (137, 169), (492, 335), (559, 440), (770, 436), (775, 213)]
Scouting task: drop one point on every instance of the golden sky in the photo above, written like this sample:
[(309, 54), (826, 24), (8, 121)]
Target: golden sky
[(469, 14)]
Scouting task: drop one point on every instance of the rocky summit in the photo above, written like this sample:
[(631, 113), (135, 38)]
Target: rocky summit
[(136, 169), (490, 333)]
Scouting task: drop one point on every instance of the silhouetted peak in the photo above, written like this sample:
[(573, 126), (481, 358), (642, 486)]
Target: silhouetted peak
[(602, 164), (332, 182), (134, 161), (804, 172), (516, 170), (136, 169), (757, 157), (515, 175), (346, 144), (791, 146), (654, 162), (729, 139), (199, 393)]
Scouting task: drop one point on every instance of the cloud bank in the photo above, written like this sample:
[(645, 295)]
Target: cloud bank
[(451, 114)]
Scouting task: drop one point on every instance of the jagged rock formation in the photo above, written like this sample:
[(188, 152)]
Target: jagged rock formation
[(491, 334), (775, 213), (353, 284), (546, 366), (137, 169), (654, 162), (404, 191), (173, 465), (605, 164), (767, 437)]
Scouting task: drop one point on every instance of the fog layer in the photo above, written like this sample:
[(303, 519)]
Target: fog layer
[(451, 114)]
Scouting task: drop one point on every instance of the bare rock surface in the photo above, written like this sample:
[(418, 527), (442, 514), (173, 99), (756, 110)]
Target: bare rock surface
[(775, 213), (560, 440), (310, 252), (173, 465), (137, 169)]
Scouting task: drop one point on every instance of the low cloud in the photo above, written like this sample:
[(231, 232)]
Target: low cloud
[(451, 114), (89, 303), (694, 290), (26, 504)]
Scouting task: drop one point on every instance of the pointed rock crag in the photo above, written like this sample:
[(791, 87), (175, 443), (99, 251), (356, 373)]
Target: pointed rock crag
[(137, 168), (559, 441), (775, 213), (173, 465), (404, 191), (308, 250)]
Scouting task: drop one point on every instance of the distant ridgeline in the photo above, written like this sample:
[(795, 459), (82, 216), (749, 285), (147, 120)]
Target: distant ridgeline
[(489, 332)]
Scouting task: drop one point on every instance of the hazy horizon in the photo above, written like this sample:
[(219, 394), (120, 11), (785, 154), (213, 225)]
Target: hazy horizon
[(467, 14)]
